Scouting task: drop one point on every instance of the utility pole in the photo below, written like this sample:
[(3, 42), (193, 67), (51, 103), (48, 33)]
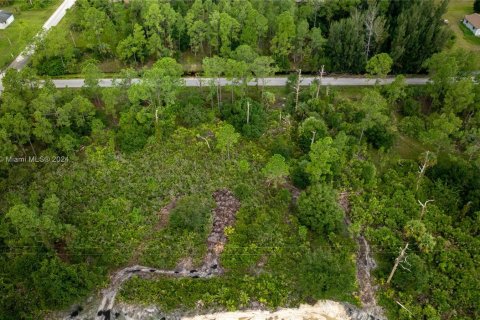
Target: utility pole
[(401, 258), (248, 112), (297, 89), (319, 82)]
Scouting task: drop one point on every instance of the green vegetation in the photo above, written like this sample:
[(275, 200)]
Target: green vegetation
[(464, 38), (29, 20), (294, 35), (132, 148), (468, 35), (96, 179)]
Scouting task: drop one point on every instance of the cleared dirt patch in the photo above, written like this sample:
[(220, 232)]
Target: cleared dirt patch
[(164, 214), (364, 265), (223, 216)]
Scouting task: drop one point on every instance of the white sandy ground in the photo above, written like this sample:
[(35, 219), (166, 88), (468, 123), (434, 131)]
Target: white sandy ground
[(322, 310)]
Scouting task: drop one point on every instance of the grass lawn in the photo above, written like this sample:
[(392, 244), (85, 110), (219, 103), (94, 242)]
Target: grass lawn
[(468, 35), (26, 24), (457, 9)]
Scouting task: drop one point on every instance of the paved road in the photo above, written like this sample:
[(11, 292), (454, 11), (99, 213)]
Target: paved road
[(54, 19), (270, 82)]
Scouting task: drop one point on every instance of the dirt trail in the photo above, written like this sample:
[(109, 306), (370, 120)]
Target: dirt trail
[(163, 216), (365, 264), (223, 216)]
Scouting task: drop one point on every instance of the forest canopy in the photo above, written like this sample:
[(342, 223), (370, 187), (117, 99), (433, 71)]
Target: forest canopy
[(341, 35)]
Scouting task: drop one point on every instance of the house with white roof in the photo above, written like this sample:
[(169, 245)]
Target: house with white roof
[(472, 22), (6, 18)]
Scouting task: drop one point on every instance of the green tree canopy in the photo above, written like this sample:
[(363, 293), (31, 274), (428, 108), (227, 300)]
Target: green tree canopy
[(318, 209), (276, 170)]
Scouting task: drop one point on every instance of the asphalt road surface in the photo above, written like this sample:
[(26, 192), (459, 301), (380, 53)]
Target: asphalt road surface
[(269, 82), (54, 19)]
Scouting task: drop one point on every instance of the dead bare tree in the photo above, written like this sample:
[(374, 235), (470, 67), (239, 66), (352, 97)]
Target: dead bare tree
[(403, 307), (402, 258), (319, 82), (204, 139), (428, 161), (424, 207), (297, 88), (374, 25), (313, 137)]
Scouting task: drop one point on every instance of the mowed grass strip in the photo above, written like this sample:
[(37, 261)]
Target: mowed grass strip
[(26, 25)]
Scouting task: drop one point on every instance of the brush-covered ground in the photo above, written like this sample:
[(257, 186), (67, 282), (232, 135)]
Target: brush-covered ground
[(133, 149)]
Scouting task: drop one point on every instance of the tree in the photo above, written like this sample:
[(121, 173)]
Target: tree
[(226, 138), (318, 209), (244, 53), (263, 67), (198, 34), (379, 65), (395, 91), (317, 43), (374, 26), (247, 116), (440, 130), (310, 130), (97, 29), (228, 32), (276, 170), (418, 33), (322, 157), (190, 213), (55, 45), (281, 44), (110, 97), (7, 148), (92, 76), (133, 46), (160, 21), (159, 84), (300, 42), (373, 106), (254, 29), (346, 46), (214, 68), (476, 6)]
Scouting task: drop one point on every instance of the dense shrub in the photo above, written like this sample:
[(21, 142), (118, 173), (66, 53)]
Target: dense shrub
[(379, 137), (298, 174), (236, 114), (191, 213), (51, 67), (318, 209), (412, 126), (282, 145), (411, 107), (134, 131), (306, 132), (191, 113)]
